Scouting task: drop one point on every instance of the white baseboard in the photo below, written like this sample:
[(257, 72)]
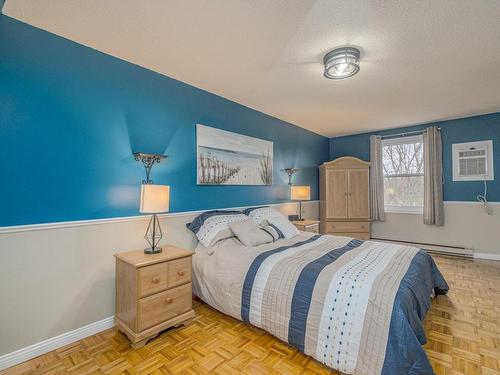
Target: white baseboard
[(487, 256), (35, 350), (436, 248), (447, 249)]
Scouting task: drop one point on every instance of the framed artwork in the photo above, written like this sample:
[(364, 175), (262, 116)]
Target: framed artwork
[(227, 158)]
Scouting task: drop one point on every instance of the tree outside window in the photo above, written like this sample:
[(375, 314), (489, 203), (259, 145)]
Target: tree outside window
[(403, 168)]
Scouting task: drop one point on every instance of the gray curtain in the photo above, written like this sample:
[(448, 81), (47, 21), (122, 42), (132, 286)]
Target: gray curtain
[(433, 177), (376, 179)]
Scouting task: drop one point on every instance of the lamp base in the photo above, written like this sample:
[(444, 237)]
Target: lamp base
[(151, 250), (300, 212), (153, 236)]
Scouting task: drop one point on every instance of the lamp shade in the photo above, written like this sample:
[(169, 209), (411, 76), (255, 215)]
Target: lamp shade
[(154, 198), (300, 193)]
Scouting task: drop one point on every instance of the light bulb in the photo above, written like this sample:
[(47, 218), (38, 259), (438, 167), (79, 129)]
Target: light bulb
[(340, 68)]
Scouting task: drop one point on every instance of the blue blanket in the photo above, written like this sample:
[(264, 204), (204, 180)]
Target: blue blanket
[(356, 306), (404, 353)]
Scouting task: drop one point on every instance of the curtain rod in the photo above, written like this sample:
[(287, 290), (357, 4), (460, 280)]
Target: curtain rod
[(405, 134)]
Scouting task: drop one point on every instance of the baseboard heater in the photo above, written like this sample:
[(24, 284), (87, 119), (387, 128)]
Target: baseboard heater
[(458, 251)]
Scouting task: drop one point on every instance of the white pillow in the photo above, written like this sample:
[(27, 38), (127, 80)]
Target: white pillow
[(213, 226), (288, 229), (249, 233), (262, 214)]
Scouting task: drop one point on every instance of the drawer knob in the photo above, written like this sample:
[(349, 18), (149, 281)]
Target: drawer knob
[(169, 300), (156, 280), (180, 273)]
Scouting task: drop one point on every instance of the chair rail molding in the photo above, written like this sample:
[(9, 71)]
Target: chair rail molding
[(113, 220)]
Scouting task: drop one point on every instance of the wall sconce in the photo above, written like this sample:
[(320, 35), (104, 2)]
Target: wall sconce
[(290, 172), (148, 160)]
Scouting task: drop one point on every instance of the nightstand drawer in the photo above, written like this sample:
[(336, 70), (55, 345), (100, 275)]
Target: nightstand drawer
[(347, 226), (179, 272), (152, 279), (312, 228), (163, 306)]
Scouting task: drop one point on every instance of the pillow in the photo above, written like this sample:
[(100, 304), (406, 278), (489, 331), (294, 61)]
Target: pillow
[(273, 231), (247, 211), (249, 233), (213, 226), (261, 214), (284, 226)]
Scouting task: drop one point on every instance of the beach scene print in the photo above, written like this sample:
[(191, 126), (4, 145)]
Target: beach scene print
[(227, 158)]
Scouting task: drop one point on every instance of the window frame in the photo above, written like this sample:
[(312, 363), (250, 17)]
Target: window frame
[(417, 210)]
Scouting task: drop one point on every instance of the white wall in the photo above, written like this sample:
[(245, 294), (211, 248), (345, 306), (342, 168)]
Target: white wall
[(58, 278), (466, 224)]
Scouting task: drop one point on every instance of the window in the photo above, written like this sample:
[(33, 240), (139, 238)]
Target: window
[(403, 168)]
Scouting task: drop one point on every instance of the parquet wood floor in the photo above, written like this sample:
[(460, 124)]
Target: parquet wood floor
[(463, 333)]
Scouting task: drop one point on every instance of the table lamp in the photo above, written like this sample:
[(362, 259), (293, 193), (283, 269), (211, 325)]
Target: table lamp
[(154, 200), (300, 193)]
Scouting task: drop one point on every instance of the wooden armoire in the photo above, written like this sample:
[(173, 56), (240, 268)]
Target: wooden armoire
[(345, 198)]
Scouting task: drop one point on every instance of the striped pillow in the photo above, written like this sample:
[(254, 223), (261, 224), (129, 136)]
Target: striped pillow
[(273, 231), (213, 226), (282, 224)]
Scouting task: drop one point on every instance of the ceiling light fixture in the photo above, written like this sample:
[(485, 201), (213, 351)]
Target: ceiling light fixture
[(341, 63)]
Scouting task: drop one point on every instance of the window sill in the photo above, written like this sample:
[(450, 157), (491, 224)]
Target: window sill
[(404, 210)]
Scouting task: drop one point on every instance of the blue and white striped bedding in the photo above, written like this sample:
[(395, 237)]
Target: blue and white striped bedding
[(357, 306)]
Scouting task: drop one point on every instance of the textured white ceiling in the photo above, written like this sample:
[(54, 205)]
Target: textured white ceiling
[(421, 60)]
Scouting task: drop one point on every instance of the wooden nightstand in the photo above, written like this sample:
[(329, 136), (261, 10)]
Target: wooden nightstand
[(307, 225), (153, 292)]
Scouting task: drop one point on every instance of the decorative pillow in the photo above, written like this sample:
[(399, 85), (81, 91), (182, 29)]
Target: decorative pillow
[(249, 233), (213, 226), (284, 226), (262, 214), (273, 231)]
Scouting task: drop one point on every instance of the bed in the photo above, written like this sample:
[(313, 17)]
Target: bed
[(356, 306)]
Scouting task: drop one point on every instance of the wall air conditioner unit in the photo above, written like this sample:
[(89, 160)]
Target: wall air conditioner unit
[(473, 161)]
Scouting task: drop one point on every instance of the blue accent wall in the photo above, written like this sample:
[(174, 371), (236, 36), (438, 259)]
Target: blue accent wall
[(470, 129), (70, 118)]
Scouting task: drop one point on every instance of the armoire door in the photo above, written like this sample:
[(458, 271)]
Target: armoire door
[(358, 197), (336, 194)]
